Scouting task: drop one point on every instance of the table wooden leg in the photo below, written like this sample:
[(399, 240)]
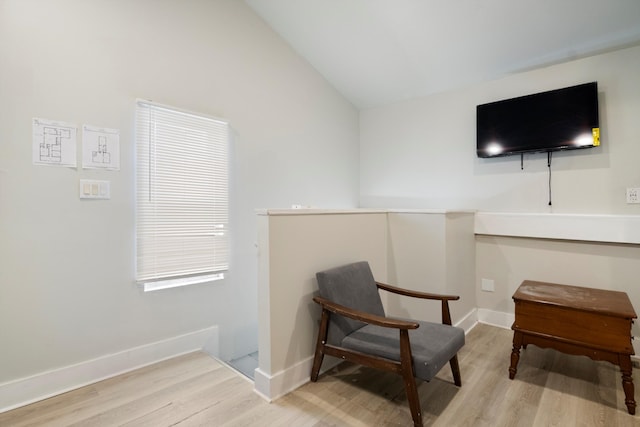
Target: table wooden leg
[(515, 354), (627, 383)]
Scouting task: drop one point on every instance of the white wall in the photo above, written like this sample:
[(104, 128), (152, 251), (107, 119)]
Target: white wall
[(294, 246), (424, 251), (510, 260), (67, 291), (431, 252), (421, 153)]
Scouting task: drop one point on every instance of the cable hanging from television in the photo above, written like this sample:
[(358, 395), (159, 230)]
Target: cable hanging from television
[(549, 166)]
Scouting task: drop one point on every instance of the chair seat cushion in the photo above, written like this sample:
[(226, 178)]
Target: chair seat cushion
[(432, 345)]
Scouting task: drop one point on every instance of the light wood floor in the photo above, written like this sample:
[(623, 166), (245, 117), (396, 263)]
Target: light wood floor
[(550, 389)]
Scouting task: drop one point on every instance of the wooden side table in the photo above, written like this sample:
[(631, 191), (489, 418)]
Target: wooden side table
[(578, 321)]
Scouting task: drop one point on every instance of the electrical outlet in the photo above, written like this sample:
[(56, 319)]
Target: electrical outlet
[(633, 195), (488, 285)]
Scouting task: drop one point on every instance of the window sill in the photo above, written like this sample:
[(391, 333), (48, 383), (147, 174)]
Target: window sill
[(183, 281)]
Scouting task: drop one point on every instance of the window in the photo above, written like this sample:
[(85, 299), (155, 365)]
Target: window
[(181, 197)]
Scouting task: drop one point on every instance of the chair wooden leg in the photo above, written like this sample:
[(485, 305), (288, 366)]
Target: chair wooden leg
[(455, 370), (322, 339), (410, 387), (317, 362), (414, 400)]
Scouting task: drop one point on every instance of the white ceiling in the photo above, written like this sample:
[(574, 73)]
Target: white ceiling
[(379, 51)]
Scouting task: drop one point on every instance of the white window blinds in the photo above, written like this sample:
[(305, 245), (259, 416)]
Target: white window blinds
[(181, 195)]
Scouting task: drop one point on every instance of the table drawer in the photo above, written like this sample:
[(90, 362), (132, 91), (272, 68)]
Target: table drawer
[(597, 330)]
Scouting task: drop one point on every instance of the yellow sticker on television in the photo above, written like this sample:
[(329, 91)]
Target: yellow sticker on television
[(596, 136)]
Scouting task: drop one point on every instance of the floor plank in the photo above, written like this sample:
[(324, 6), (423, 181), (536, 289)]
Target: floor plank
[(550, 389)]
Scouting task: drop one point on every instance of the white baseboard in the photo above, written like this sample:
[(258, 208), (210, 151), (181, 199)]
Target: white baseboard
[(496, 318), (271, 387), (468, 321), (262, 384), (23, 391)]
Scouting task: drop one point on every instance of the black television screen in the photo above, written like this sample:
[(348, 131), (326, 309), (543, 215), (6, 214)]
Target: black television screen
[(560, 119)]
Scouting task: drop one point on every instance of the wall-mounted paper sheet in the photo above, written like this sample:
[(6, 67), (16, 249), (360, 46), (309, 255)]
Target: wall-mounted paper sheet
[(100, 148), (54, 143)]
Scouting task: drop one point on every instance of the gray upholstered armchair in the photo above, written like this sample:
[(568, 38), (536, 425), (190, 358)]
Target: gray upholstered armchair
[(354, 327)]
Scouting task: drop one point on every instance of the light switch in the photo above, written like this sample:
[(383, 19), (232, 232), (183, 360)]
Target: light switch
[(95, 189)]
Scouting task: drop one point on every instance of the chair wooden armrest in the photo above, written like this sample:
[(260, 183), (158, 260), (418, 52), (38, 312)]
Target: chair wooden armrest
[(446, 314), (416, 294), (362, 316)]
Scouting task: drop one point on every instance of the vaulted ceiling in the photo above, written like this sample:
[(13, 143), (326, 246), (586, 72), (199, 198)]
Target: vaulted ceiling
[(377, 52)]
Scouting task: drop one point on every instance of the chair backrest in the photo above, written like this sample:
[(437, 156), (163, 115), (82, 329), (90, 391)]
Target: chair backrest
[(353, 286)]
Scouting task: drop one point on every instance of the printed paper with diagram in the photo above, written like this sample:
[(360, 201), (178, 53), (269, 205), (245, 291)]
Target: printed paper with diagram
[(100, 148), (54, 143)]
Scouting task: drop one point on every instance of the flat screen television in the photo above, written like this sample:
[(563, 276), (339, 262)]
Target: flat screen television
[(561, 119)]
